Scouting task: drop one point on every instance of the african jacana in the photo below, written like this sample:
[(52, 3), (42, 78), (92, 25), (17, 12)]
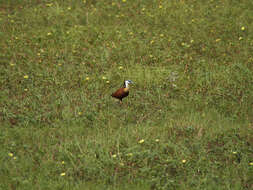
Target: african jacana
[(122, 92)]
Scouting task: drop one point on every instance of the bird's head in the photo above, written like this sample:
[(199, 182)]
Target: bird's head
[(127, 82)]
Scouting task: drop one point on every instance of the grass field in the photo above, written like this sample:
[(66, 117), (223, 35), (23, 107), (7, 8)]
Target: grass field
[(187, 123)]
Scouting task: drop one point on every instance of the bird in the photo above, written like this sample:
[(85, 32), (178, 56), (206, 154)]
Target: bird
[(122, 92)]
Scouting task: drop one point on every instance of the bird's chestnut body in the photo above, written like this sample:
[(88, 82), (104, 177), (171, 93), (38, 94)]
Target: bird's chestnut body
[(120, 94)]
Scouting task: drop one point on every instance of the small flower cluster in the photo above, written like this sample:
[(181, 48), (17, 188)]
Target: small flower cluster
[(10, 154)]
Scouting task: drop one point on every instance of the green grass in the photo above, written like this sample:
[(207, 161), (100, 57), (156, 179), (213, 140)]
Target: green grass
[(187, 123)]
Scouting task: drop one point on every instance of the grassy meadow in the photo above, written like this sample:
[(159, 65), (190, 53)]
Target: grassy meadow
[(187, 123)]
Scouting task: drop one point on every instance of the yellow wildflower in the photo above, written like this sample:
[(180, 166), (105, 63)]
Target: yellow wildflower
[(12, 64), (157, 140), (242, 28), (25, 89), (69, 8), (114, 155), (160, 6), (79, 113), (87, 78), (120, 67), (108, 82), (161, 35), (141, 141), (240, 38), (104, 78), (63, 174), (234, 152), (49, 33), (217, 40), (183, 161), (62, 162), (26, 77), (10, 154), (123, 1), (251, 163), (14, 158)]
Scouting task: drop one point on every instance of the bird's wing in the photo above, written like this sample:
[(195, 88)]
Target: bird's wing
[(119, 93)]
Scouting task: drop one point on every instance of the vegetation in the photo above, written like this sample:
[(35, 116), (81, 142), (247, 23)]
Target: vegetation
[(187, 123)]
